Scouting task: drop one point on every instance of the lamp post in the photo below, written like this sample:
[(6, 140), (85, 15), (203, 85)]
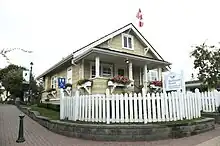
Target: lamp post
[(30, 81)]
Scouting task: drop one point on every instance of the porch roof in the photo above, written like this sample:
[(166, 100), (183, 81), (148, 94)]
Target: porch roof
[(138, 59)]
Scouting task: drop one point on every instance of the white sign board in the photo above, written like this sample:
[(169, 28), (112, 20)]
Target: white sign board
[(174, 81), (26, 76)]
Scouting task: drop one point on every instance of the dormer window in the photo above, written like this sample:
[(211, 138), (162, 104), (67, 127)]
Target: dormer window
[(127, 41)]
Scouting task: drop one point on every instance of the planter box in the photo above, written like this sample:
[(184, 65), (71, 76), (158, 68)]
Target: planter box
[(88, 84), (110, 83)]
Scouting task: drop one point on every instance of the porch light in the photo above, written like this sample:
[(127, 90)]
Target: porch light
[(127, 61)]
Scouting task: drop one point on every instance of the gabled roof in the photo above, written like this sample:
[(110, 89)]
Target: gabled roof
[(101, 40)]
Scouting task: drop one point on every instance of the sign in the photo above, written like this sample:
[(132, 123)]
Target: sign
[(26, 76), (174, 81), (61, 83)]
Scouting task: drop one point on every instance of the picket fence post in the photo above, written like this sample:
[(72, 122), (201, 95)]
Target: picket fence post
[(108, 106), (76, 115), (61, 104)]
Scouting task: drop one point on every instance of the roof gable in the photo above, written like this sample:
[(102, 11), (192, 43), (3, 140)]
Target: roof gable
[(93, 44), (129, 26)]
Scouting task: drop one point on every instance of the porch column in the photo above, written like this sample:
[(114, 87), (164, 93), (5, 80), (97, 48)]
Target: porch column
[(145, 77), (97, 64), (130, 71), (159, 74)]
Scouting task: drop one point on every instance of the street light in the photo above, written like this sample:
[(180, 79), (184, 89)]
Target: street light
[(30, 81)]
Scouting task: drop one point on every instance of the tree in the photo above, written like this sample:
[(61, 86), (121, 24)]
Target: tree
[(207, 61), (12, 79)]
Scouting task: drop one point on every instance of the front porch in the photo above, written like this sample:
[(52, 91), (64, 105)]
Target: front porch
[(99, 67)]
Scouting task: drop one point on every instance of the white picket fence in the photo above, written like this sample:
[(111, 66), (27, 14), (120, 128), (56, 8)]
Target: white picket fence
[(134, 108)]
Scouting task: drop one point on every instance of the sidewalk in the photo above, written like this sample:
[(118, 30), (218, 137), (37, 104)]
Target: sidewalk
[(213, 142), (36, 135)]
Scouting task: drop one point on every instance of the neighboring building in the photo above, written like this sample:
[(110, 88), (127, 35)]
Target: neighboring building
[(123, 52), (192, 85)]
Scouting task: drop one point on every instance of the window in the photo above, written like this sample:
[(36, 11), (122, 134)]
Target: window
[(127, 41), (53, 82), (105, 70), (121, 72), (152, 75)]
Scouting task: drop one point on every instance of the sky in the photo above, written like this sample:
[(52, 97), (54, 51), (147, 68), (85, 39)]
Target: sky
[(53, 29)]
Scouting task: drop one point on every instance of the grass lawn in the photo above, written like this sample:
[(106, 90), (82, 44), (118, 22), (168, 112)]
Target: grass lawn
[(54, 115)]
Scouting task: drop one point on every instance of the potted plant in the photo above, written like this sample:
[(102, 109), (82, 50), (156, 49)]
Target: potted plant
[(155, 86), (119, 80)]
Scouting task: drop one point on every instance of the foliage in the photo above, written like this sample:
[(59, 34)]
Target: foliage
[(120, 79), (83, 81), (12, 79), (207, 61), (155, 87), (156, 83)]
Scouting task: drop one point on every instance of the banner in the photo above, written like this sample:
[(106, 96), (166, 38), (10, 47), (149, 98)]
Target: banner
[(26, 76)]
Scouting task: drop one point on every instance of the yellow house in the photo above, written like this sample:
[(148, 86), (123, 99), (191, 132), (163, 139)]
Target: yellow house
[(124, 52)]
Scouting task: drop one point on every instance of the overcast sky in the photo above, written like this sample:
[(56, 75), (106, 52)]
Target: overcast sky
[(53, 28)]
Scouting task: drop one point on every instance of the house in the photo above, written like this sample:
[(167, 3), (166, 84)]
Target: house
[(195, 84), (124, 52)]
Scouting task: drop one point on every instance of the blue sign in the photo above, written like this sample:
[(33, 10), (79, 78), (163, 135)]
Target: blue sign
[(61, 82)]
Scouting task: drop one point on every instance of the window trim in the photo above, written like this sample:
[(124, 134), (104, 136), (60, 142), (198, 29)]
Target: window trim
[(54, 77), (101, 69), (132, 41), (67, 70), (150, 76)]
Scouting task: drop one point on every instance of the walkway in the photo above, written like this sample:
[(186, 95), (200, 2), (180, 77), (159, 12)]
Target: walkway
[(37, 135)]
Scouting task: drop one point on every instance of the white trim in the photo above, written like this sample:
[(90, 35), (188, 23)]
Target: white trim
[(54, 77), (67, 77), (130, 26), (132, 41), (141, 76), (155, 72), (130, 70), (101, 69), (82, 68), (97, 66)]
